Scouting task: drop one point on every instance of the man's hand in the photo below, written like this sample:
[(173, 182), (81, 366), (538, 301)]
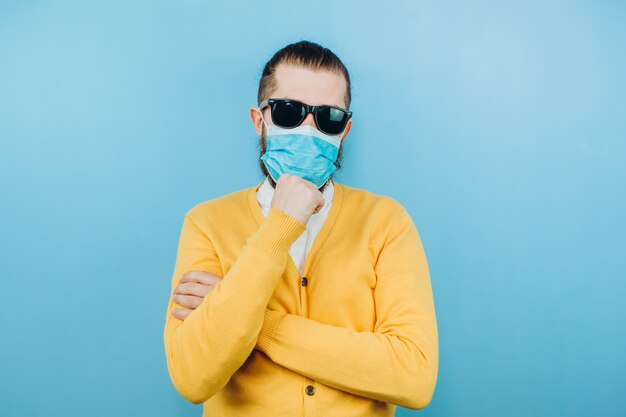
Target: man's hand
[(191, 290), (297, 197)]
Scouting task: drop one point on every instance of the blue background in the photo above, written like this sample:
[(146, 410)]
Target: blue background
[(500, 126)]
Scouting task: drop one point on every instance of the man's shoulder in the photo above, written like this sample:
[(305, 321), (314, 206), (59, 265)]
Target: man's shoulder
[(223, 207), (362, 199), (380, 213)]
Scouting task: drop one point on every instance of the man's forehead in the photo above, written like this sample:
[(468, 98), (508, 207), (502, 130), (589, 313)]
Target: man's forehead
[(315, 87)]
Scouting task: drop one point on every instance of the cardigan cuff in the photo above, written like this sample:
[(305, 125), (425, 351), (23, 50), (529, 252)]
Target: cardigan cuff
[(276, 235), (270, 324)]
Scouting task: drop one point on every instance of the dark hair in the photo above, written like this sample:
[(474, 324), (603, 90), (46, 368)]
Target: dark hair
[(307, 54)]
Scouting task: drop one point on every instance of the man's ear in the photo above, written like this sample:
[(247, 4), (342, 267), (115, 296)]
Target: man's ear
[(255, 115), (346, 130)]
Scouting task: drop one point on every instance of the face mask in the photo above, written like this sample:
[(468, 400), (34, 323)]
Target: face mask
[(303, 151)]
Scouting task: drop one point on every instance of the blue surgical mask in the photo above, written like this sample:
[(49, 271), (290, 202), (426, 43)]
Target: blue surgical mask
[(303, 151)]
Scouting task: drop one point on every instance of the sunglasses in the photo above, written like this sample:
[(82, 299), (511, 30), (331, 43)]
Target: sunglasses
[(289, 113)]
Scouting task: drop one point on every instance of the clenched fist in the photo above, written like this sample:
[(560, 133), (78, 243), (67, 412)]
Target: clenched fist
[(297, 197)]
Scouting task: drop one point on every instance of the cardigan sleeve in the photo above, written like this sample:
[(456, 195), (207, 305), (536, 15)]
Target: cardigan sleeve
[(204, 350), (397, 362)]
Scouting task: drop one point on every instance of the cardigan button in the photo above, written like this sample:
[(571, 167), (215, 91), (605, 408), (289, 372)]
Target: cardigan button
[(310, 390), (305, 281)]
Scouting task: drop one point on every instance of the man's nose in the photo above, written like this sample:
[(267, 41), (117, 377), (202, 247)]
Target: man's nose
[(309, 120)]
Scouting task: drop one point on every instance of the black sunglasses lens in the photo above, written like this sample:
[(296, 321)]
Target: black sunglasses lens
[(331, 120), (287, 113)]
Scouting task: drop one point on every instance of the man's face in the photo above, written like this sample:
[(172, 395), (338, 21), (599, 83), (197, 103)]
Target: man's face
[(311, 87)]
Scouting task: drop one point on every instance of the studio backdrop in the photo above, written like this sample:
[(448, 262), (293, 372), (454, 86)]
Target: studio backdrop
[(499, 126)]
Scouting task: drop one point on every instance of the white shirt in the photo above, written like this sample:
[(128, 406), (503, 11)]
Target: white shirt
[(302, 246)]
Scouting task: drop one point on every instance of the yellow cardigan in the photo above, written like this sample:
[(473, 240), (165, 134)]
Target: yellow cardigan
[(355, 335)]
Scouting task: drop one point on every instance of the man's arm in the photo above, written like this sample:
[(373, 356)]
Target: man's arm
[(398, 362), (214, 340)]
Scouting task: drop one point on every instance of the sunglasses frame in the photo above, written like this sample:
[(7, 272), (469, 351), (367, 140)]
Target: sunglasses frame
[(308, 109)]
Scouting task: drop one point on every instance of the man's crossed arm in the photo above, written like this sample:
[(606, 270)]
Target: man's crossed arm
[(397, 363)]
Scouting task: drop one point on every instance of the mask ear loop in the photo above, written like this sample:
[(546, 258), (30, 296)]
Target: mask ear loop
[(262, 118)]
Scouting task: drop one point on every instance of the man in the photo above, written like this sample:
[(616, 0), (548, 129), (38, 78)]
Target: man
[(301, 296)]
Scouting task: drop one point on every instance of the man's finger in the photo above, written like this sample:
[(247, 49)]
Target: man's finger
[(201, 277), (193, 288), (188, 301), (180, 313)]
